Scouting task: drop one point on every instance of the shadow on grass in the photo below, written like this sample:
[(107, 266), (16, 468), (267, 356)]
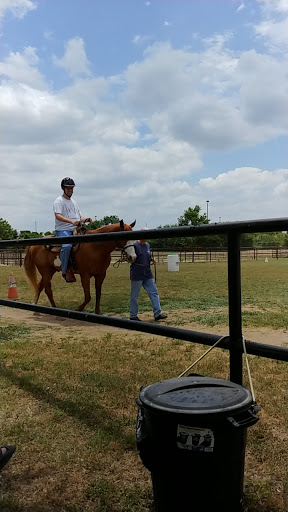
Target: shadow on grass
[(11, 505), (93, 415), (260, 508), (99, 496)]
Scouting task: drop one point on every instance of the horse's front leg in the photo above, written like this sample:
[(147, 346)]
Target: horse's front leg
[(85, 280)]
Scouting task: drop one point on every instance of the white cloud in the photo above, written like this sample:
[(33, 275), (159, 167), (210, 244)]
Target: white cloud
[(263, 93), (275, 33), (38, 117), (22, 68), (136, 39), (272, 6), (273, 28), (241, 7), (257, 190), (134, 142), (18, 8), (210, 99), (141, 40), (86, 93), (74, 61), (48, 35)]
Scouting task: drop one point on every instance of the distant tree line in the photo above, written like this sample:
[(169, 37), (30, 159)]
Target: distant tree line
[(190, 217), (193, 217)]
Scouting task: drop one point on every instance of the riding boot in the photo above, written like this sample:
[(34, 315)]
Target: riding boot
[(70, 277)]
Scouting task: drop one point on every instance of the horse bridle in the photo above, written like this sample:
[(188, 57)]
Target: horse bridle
[(123, 255), (124, 258)]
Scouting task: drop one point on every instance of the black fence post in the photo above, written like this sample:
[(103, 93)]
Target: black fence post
[(235, 317)]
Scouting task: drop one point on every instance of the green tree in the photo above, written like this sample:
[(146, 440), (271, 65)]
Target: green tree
[(192, 217), (274, 239), (110, 219), (24, 234), (166, 243), (6, 231), (95, 224)]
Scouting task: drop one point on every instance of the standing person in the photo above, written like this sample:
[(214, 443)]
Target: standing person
[(67, 216), (141, 275)]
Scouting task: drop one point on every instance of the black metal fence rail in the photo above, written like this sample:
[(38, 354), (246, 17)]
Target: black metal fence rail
[(233, 342), (249, 226), (256, 349)]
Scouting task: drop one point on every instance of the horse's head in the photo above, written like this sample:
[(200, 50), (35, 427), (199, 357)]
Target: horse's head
[(128, 245)]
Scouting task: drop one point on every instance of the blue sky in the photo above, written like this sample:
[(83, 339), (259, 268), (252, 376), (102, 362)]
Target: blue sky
[(151, 107)]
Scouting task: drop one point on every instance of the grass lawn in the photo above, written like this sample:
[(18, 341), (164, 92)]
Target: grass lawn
[(68, 393), (200, 287)]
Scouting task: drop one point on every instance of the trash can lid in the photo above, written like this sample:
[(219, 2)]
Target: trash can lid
[(196, 395)]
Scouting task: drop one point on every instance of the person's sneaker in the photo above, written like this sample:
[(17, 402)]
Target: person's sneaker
[(161, 317), (135, 318), (6, 453)]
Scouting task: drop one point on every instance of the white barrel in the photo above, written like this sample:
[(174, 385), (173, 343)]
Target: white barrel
[(173, 262)]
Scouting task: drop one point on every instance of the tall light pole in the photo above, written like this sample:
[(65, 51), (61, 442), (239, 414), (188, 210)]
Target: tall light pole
[(207, 210)]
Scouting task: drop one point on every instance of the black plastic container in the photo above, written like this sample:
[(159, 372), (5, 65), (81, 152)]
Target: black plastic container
[(191, 434)]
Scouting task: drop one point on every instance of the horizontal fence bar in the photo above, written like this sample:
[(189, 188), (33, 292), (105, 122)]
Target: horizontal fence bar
[(251, 226), (253, 348)]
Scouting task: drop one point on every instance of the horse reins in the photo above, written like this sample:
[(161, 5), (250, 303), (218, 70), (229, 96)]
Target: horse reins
[(152, 263), (123, 256)]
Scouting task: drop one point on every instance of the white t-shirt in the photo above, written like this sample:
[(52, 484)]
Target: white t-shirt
[(69, 209)]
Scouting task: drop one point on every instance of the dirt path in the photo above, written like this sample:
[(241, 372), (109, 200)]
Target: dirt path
[(264, 335)]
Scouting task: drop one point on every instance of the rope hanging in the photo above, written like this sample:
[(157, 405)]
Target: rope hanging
[(211, 348), (201, 357)]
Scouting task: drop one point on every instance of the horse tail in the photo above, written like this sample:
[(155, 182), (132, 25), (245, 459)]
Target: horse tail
[(30, 268)]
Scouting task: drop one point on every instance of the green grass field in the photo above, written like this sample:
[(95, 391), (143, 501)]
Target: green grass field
[(200, 287), (69, 390)]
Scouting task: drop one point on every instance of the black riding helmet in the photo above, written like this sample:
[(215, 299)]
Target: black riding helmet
[(67, 182)]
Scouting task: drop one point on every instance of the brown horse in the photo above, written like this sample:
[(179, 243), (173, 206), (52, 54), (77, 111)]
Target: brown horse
[(91, 260)]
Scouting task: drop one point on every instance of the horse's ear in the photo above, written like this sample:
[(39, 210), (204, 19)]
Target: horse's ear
[(121, 224), (133, 224)]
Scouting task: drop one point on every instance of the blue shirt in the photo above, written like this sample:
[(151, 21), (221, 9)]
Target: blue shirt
[(140, 269)]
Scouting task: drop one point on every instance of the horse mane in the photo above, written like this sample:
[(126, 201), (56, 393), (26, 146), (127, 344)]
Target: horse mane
[(105, 229)]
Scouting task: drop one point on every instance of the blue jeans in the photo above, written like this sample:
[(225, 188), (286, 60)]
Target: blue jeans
[(150, 286), (65, 250)]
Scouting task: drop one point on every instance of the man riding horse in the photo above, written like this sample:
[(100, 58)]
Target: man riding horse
[(90, 259), (67, 217)]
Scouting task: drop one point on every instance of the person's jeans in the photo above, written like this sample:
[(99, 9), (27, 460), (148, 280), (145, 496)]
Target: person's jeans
[(150, 286), (65, 250)]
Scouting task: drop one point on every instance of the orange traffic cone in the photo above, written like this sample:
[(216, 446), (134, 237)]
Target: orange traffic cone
[(12, 291)]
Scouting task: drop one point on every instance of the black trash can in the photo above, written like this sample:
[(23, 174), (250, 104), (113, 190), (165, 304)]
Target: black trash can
[(191, 435)]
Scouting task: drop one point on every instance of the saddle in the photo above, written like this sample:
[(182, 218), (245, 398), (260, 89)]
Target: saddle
[(80, 230)]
